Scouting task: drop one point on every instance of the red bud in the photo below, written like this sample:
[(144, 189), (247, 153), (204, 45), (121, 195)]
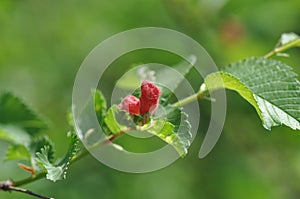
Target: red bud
[(130, 104), (149, 99)]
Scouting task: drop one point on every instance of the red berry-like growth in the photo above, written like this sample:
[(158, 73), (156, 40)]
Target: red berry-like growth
[(147, 103), (130, 104), (149, 99)]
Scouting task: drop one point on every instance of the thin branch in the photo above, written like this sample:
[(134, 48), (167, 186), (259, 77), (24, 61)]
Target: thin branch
[(29, 179), (283, 48), (83, 153), (113, 138), (8, 186), (201, 94)]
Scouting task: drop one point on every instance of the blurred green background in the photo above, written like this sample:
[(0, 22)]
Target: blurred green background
[(43, 42)]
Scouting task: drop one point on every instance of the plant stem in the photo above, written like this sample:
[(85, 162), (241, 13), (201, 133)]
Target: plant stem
[(41, 175), (82, 154), (283, 48), (202, 93), (29, 179), (85, 152), (8, 186)]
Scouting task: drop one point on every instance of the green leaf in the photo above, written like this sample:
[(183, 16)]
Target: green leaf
[(54, 173), (179, 119), (113, 125), (73, 149), (22, 145), (57, 171), (268, 85), (14, 111), (100, 108), (291, 39), (36, 146), (17, 152), (14, 135), (165, 131), (173, 127)]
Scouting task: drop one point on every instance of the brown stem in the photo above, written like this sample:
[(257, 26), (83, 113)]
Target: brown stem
[(8, 186), (112, 138)]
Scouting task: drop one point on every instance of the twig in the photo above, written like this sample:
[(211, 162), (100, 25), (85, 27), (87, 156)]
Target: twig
[(8, 186), (83, 153), (201, 94), (113, 138), (283, 48), (29, 179)]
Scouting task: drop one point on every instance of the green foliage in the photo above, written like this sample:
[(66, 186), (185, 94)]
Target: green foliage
[(23, 146), (182, 126), (21, 128), (268, 85), (14, 135), (54, 173), (171, 126), (100, 108), (165, 131), (286, 41), (17, 152), (111, 121), (57, 171), (14, 111), (36, 146), (40, 58), (289, 39)]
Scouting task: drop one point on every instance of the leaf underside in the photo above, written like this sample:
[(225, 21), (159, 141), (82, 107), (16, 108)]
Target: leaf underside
[(57, 171), (179, 136), (170, 125), (268, 85), (291, 39)]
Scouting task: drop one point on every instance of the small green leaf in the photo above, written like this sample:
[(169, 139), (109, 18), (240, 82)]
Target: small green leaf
[(54, 173), (179, 119), (22, 145), (100, 108), (57, 171), (180, 124), (268, 85), (14, 111), (288, 39), (36, 146), (112, 122), (17, 152), (165, 131), (73, 149)]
